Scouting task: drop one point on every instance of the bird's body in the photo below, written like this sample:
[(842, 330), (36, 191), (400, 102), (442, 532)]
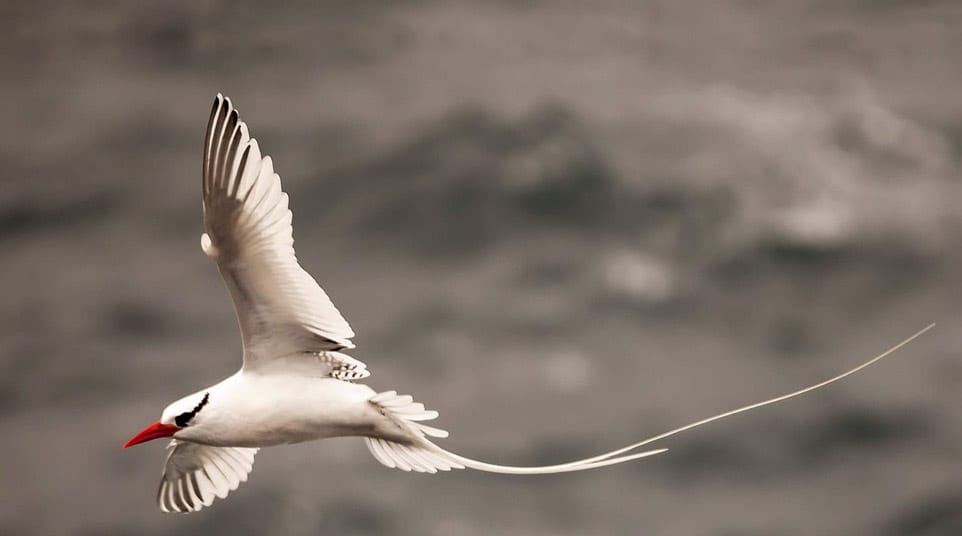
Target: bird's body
[(299, 408), (297, 383)]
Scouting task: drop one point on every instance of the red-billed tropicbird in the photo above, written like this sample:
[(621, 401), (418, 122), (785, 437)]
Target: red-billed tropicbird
[(296, 383)]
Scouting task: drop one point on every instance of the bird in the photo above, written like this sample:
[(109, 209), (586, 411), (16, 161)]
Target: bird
[(296, 382)]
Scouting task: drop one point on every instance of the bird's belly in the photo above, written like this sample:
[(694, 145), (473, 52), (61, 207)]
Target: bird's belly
[(320, 425)]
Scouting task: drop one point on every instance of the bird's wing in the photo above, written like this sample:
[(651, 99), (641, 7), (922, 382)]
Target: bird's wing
[(194, 474), (281, 310)]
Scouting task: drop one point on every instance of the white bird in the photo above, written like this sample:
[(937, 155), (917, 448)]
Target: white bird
[(296, 383)]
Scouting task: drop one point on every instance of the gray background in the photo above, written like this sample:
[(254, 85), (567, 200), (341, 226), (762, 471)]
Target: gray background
[(566, 226)]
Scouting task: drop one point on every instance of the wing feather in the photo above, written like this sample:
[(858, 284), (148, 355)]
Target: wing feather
[(281, 309), (195, 474)]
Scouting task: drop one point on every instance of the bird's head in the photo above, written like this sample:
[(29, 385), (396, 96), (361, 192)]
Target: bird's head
[(177, 416)]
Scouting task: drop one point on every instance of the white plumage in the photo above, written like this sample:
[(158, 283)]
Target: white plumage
[(296, 383)]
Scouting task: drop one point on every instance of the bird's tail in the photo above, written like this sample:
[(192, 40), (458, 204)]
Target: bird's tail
[(424, 456)]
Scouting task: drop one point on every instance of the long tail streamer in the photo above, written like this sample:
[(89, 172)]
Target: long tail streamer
[(425, 456)]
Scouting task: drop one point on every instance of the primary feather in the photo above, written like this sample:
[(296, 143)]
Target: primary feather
[(281, 309)]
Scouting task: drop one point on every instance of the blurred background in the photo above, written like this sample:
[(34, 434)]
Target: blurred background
[(564, 225)]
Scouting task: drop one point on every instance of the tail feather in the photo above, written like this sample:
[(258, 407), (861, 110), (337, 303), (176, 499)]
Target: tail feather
[(424, 456), (418, 458), (578, 465)]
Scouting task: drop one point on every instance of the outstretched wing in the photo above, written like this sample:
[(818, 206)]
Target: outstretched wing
[(194, 474), (282, 311)]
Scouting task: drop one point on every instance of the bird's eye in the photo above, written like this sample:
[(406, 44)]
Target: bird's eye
[(183, 419)]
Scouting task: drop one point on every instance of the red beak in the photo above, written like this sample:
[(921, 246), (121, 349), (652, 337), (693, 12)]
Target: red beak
[(154, 431)]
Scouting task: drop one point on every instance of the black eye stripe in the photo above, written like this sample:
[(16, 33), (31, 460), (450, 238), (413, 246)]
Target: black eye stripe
[(183, 419)]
